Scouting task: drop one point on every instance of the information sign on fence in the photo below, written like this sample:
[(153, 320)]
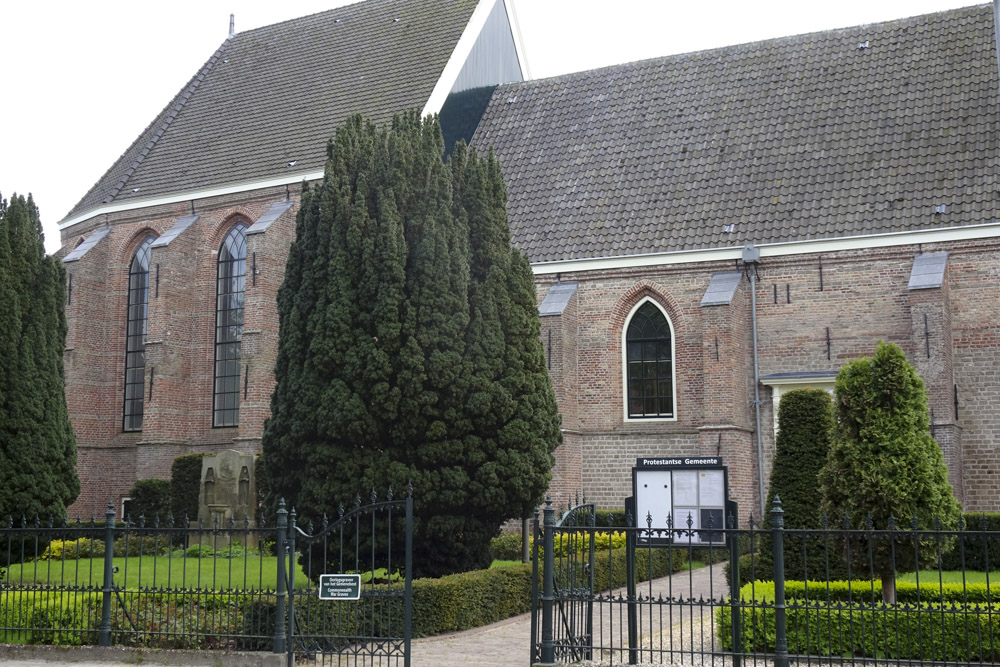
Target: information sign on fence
[(339, 586), (691, 491)]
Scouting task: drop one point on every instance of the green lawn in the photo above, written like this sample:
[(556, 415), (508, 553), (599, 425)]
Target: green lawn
[(928, 577), (257, 572)]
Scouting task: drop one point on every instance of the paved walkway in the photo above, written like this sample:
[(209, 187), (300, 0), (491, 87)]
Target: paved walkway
[(506, 643)]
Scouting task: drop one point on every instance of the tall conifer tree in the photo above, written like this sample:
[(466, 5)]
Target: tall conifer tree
[(408, 345), (37, 447)]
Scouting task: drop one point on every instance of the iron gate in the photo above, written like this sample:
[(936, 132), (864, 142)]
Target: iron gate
[(570, 592), (370, 546)]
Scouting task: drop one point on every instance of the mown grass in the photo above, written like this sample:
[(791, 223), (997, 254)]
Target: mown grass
[(930, 577), (242, 572)]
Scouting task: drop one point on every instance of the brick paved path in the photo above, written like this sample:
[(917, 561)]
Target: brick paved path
[(507, 643)]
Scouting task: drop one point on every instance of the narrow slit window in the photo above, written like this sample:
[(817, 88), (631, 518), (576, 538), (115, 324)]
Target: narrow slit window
[(229, 297), (135, 337), (649, 359)]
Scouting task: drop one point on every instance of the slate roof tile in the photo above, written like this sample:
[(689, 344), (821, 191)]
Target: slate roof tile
[(276, 94), (798, 138)]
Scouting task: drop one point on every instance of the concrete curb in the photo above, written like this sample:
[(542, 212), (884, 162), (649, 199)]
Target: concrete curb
[(139, 656)]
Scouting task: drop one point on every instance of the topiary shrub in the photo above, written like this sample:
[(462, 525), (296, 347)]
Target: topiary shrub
[(185, 486), (884, 464), (150, 499), (805, 429)]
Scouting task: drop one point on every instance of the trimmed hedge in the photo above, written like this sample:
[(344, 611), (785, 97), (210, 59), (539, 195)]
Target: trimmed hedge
[(506, 546), (150, 499), (978, 551), (185, 486), (935, 629)]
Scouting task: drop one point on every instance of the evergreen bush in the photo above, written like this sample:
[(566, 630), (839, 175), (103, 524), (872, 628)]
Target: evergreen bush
[(150, 501), (805, 429), (185, 487), (884, 466)]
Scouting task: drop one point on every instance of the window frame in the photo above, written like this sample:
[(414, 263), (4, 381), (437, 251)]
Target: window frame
[(145, 246), (624, 359), (238, 227)]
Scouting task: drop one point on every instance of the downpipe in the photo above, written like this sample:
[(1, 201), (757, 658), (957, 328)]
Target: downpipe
[(751, 258)]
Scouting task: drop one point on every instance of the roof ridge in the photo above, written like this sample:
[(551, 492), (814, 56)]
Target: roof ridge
[(778, 40), (178, 105)]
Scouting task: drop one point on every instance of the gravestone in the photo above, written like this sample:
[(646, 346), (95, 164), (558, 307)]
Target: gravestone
[(227, 501)]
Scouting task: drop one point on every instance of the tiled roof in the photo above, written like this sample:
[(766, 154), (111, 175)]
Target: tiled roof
[(849, 132), (274, 95)]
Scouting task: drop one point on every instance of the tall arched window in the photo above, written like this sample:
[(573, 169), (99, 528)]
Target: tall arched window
[(649, 364), (135, 336), (229, 289)]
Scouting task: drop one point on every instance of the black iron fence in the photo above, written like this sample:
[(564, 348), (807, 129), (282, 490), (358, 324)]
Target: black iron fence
[(837, 594), (233, 586)]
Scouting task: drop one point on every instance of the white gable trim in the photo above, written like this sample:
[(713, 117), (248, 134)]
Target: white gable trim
[(449, 75), (968, 232), (515, 30)]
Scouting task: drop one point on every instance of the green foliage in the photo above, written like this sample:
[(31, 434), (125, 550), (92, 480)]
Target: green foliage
[(44, 617), (185, 486), (37, 446), (73, 549), (150, 500), (883, 461), (409, 346), (506, 546), (805, 429), (942, 626), (973, 550)]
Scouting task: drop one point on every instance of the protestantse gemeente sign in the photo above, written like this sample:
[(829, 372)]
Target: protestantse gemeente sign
[(692, 491)]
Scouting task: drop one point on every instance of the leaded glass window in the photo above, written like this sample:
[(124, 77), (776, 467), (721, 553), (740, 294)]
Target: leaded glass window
[(229, 294), (135, 337), (649, 364)]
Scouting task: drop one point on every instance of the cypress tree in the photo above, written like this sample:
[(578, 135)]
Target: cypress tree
[(37, 447), (805, 428), (400, 300), (884, 464)]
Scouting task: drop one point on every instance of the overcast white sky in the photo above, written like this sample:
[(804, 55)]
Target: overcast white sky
[(80, 80)]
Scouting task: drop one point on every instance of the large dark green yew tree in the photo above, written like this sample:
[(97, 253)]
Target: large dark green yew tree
[(409, 346), (884, 464), (37, 447)]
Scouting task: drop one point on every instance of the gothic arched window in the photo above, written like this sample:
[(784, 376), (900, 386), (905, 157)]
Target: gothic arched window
[(649, 363), (135, 336), (229, 292)]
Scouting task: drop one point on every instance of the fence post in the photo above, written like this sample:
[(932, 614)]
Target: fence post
[(734, 582), (290, 588), (633, 625), (780, 634), (104, 634), (279, 608), (547, 653)]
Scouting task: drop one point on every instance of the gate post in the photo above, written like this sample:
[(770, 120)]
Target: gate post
[(547, 653), (408, 584), (780, 635), (290, 540), (279, 608), (630, 593), (104, 634)]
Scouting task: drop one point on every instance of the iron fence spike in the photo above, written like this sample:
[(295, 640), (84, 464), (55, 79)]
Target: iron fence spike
[(232, 523), (937, 522), (170, 520), (357, 500), (869, 523), (847, 521), (37, 522), (751, 522), (187, 521), (325, 522), (340, 511), (983, 523), (913, 522), (690, 521), (409, 489), (824, 521), (649, 520), (373, 496), (892, 522), (388, 493)]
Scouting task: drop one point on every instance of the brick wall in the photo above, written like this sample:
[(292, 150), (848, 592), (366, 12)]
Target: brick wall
[(803, 325)]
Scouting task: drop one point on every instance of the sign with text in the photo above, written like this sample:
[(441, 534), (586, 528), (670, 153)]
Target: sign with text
[(690, 491), (339, 586)]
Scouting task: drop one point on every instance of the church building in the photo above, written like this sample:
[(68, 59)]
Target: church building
[(707, 231)]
